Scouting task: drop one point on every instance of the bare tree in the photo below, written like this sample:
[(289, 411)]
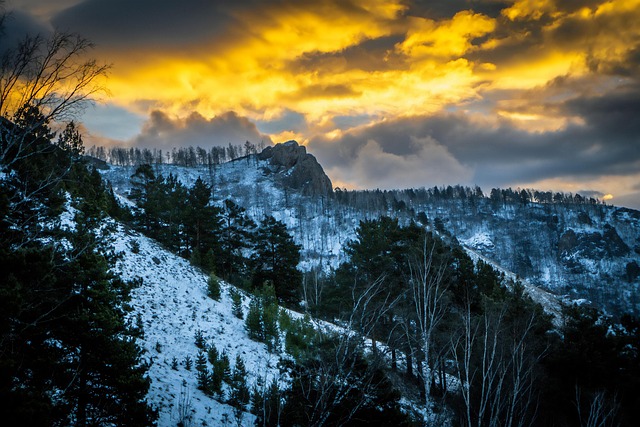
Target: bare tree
[(602, 411), (337, 373), (428, 292), (495, 368), (51, 75)]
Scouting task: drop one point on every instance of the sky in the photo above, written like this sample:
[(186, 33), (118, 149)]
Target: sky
[(538, 94)]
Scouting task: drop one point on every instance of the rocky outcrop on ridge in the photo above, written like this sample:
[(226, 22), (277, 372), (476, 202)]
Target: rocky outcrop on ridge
[(296, 169)]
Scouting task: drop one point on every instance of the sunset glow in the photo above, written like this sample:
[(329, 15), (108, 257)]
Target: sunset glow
[(479, 85)]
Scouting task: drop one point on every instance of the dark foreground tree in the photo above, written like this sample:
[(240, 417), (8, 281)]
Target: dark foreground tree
[(67, 353), (276, 259)]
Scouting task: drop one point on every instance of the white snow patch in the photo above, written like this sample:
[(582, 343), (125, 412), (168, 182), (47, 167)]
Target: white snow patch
[(480, 241), (172, 304)]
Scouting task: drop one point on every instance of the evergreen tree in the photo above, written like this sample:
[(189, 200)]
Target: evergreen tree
[(202, 220), (213, 287), (240, 395), (236, 301), (203, 375), (70, 140), (262, 318), (235, 237), (65, 330), (253, 322), (217, 374), (276, 259), (173, 213), (147, 191)]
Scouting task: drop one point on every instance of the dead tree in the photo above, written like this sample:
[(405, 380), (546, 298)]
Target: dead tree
[(428, 295), (51, 75)]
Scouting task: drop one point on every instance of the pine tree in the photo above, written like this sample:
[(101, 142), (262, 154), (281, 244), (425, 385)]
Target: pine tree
[(253, 322), (236, 300), (202, 220), (239, 396), (270, 311), (76, 338), (203, 375), (235, 236), (70, 140), (213, 287), (217, 374), (276, 259)]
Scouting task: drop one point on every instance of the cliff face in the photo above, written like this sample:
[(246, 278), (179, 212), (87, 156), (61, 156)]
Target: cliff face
[(297, 169)]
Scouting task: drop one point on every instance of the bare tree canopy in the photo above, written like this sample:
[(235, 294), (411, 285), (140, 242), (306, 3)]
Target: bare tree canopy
[(51, 74)]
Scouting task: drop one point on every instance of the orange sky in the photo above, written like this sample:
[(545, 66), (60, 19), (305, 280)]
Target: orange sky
[(536, 93)]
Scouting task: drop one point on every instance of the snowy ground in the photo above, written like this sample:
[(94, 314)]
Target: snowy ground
[(549, 302), (173, 305)]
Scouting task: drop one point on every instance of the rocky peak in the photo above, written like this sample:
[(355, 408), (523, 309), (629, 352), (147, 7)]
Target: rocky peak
[(297, 169)]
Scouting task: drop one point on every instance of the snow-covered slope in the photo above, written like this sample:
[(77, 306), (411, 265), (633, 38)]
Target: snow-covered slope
[(172, 305), (576, 250)]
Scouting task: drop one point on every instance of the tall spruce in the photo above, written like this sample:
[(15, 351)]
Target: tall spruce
[(67, 353), (275, 260), (235, 238)]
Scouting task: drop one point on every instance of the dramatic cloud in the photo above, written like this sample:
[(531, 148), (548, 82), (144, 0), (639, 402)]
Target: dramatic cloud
[(162, 131), (456, 148), (387, 94)]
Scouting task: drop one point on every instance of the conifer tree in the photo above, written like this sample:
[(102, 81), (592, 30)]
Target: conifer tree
[(213, 287), (239, 396), (276, 259), (217, 374), (235, 236), (253, 322), (202, 220), (236, 301), (203, 375)]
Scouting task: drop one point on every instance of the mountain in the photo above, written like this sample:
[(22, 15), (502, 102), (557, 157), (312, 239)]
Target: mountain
[(414, 286), (171, 305), (574, 247)]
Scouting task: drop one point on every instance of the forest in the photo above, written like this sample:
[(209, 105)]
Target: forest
[(411, 316)]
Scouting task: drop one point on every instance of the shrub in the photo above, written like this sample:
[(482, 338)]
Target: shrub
[(213, 287)]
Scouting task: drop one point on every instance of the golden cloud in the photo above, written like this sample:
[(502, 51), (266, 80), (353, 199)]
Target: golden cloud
[(435, 64), (450, 38)]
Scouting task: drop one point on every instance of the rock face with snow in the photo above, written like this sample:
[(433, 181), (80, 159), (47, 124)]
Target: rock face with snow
[(297, 169), (577, 250)]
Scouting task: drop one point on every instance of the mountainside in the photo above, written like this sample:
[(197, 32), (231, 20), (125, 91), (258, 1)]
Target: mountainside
[(171, 305), (574, 247)]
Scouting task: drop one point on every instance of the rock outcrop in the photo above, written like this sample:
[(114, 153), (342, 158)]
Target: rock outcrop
[(297, 169)]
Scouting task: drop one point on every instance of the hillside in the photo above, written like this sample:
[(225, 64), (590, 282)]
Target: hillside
[(573, 247), (172, 305)]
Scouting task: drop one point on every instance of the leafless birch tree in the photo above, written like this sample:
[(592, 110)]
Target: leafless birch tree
[(428, 291), (50, 74), (495, 368)]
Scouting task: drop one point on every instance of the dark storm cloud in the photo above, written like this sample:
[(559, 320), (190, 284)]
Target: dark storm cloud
[(162, 131), (370, 55), (574, 5), (162, 23), (171, 23), (288, 121), (608, 143), (447, 9), (613, 119), (17, 25)]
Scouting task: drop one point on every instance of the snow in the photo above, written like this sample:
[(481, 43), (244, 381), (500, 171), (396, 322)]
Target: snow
[(172, 304), (549, 302), (480, 241)]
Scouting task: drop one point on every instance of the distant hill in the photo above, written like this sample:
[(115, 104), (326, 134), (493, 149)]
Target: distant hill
[(573, 246)]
